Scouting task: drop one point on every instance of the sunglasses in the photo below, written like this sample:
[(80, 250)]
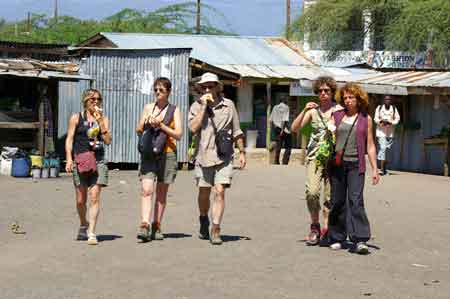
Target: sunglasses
[(161, 90), (325, 90)]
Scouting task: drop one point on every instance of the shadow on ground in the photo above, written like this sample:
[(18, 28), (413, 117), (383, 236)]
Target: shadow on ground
[(228, 238), (176, 236), (103, 238)]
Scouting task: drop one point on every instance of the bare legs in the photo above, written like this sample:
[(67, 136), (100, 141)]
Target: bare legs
[(148, 188), (161, 201), (218, 206), (82, 193)]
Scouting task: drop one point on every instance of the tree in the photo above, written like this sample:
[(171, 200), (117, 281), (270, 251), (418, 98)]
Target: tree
[(405, 25), (177, 18)]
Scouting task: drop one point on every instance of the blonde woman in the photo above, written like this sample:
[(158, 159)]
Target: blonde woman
[(87, 135), (161, 168)]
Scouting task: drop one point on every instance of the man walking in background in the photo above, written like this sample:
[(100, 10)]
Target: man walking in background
[(386, 117), (279, 119)]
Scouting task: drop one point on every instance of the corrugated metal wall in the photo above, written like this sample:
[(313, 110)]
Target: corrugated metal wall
[(125, 78), (431, 121)]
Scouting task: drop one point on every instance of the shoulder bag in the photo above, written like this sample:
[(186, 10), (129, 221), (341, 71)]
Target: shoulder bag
[(152, 141)]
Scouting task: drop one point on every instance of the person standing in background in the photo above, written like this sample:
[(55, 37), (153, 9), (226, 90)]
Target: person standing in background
[(279, 119), (386, 117)]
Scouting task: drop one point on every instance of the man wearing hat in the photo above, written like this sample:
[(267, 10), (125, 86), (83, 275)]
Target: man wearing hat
[(215, 122)]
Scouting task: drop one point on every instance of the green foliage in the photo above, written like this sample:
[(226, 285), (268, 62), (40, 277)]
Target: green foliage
[(408, 25), (177, 18), (425, 24)]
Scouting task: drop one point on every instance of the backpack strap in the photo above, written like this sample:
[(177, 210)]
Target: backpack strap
[(169, 114)]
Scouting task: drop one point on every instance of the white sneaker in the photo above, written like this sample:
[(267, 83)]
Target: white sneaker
[(336, 246), (362, 248), (92, 239)]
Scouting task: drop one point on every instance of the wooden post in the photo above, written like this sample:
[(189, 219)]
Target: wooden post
[(197, 25), (288, 18), (56, 11), (268, 111), (269, 145), (41, 130), (403, 131)]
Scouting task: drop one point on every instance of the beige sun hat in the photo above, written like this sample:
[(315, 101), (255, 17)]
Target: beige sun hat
[(209, 77)]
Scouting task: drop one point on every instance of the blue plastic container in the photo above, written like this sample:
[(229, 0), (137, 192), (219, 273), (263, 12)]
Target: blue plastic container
[(20, 168)]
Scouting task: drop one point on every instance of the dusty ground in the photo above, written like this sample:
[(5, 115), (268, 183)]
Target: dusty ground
[(263, 256)]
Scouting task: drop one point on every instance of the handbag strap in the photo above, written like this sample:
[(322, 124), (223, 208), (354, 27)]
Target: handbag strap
[(209, 112), (349, 133), (321, 117)]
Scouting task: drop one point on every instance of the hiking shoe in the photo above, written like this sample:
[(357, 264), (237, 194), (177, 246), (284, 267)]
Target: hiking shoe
[(336, 246), (362, 248), (92, 239), (82, 233), (144, 233), (323, 237), (215, 236), (314, 235), (156, 232), (204, 228)]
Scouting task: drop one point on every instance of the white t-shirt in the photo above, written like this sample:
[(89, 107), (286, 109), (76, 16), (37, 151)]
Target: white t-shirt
[(280, 114), (390, 115)]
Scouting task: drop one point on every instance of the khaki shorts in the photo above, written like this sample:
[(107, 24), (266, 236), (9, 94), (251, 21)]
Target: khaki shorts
[(163, 170), (214, 175), (88, 180)]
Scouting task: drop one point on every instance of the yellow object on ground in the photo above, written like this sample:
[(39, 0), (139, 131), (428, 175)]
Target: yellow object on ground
[(36, 161)]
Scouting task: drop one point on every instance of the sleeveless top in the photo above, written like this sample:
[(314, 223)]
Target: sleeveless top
[(351, 150), (361, 136), (87, 137), (171, 144), (317, 134)]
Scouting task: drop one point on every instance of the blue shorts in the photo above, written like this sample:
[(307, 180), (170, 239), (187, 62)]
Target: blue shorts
[(384, 143)]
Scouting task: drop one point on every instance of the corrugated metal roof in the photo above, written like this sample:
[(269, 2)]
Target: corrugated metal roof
[(410, 79), (274, 71), (217, 49), (391, 82), (45, 75)]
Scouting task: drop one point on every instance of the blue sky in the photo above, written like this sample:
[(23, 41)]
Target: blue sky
[(245, 17)]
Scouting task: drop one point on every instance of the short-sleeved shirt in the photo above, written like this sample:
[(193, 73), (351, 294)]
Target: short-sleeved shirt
[(280, 115), (225, 116)]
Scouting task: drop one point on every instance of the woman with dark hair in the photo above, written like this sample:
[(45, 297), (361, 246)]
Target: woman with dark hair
[(354, 138), (318, 115), (162, 167), (87, 134)]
